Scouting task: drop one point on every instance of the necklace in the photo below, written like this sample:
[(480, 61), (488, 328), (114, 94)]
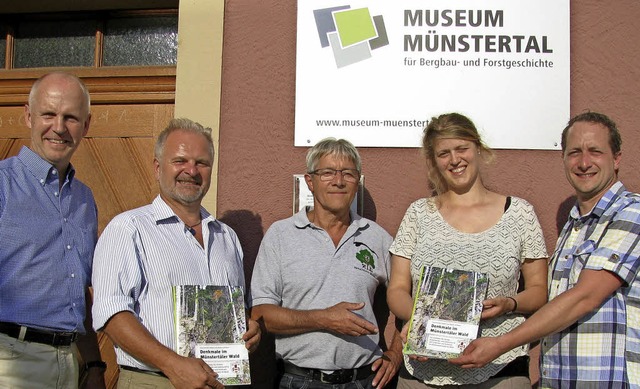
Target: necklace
[(200, 221), (190, 228)]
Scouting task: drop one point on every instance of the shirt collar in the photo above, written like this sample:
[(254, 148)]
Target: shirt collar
[(163, 212), (41, 168), (301, 220), (601, 206)]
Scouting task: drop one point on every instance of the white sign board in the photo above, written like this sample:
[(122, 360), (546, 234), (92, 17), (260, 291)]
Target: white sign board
[(375, 72)]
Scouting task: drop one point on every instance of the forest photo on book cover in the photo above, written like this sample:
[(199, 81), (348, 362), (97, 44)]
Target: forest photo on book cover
[(212, 314), (445, 294)]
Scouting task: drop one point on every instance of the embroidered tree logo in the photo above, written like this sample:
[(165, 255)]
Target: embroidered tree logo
[(365, 257)]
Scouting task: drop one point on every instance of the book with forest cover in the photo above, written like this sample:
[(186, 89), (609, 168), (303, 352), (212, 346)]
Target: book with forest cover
[(446, 312), (209, 323)]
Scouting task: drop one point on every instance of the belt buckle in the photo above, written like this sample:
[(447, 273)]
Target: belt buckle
[(338, 376), (61, 338), (56, 340), (329, 378)]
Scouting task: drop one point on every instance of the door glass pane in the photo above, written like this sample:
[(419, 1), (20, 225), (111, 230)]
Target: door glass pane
[(52, 43), (3, 45), (141, 41)]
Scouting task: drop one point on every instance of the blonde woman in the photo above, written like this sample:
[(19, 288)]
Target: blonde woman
[(467, 226)]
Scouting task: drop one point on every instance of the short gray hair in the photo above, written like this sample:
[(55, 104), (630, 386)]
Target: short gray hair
[(332, 146), (183, 124)]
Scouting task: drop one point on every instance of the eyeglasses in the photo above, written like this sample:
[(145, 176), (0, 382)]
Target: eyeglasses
[(328, 174)]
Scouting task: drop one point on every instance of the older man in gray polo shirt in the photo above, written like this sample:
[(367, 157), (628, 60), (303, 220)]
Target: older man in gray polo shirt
[(315, 279)]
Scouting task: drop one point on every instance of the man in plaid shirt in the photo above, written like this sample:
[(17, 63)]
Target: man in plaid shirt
[(591, 325)]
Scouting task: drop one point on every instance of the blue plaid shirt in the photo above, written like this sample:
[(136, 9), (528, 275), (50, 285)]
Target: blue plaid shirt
[(602, 349), (47, 237)]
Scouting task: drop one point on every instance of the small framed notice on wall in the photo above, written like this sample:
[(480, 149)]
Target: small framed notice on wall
[(303, 197)]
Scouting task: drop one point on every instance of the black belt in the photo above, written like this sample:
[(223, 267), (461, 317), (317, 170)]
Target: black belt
[(136, 370), (337, 377), (29, 334)]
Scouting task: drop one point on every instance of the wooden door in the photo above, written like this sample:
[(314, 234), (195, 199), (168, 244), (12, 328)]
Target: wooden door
[(115, 160)]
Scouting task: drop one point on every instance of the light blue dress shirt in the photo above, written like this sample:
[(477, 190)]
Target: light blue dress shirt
[(47, 237)]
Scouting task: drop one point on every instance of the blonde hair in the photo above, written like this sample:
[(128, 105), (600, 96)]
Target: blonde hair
[(450, 125)]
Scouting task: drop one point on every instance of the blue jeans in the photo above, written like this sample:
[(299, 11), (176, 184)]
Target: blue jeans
[(290, 381)]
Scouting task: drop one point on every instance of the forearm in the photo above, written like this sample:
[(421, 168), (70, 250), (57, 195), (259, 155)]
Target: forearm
[(396, 342), (593, 288), (534, 295), (553, 317), (399, 290), (126, 332), (400, 303), (531, 299), (285, 321), (387, 366)]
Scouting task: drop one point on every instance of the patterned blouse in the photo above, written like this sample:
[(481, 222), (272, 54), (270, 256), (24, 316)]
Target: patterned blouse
[(426, 238)]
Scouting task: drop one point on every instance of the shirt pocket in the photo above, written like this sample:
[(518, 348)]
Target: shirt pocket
[(580, 256), (85, 244)]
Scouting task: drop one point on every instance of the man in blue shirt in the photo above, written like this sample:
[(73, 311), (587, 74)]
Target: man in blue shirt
[(48, 230)]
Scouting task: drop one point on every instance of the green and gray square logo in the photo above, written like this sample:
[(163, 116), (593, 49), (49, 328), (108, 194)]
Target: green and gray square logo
[(351, 33)]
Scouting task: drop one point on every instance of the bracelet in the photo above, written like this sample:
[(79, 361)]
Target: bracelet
[(98, 364), (515, 304)]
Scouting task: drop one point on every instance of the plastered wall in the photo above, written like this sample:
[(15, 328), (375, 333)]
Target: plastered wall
[(257, 158)]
